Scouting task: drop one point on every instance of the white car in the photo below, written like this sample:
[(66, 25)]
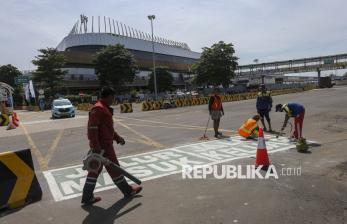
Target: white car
[(62, 108)]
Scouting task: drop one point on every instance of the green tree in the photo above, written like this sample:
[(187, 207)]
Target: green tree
[(216, 65), (18, 96), (115, 66), (164, 80), (49, 73), (8, 73)]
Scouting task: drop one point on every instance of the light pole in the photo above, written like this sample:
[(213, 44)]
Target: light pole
[(151, 18), (260, 70)]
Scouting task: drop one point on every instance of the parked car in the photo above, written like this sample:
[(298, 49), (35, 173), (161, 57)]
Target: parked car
[(62, 108)]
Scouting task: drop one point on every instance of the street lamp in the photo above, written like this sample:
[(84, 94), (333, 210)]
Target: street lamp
[(151, 18), (260, 70)]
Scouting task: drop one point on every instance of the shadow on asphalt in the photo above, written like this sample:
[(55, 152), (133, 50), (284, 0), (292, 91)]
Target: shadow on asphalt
[(313, 144), (7, 211), (108, 216), (305, 152)]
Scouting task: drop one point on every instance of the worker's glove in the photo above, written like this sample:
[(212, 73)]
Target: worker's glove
[(282, 129), (223, 113), (121, 141)]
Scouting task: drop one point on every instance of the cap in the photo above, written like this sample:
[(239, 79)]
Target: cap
[(278, 107)]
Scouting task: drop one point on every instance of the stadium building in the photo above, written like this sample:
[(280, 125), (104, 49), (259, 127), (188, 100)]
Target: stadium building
[(89, 35)]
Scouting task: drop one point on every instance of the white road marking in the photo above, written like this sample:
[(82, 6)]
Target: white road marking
[(51, 120), (66, 183)]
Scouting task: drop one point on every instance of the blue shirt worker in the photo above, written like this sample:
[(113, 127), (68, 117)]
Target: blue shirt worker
[(264, 105)]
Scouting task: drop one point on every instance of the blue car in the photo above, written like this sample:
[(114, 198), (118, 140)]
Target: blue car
[(62, 108)]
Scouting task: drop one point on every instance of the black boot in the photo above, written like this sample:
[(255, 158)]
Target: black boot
[(123, 185), (263, 123), (270, 128), (88, 189)]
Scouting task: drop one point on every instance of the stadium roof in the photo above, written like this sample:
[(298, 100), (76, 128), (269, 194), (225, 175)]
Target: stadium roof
[(105, 31)]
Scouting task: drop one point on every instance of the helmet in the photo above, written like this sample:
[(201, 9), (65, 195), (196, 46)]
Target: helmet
[(279, 107)]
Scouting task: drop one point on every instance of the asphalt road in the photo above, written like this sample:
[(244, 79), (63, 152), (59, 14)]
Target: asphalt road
[(318, 195)]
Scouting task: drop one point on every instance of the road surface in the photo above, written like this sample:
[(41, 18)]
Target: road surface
[(159, 142)]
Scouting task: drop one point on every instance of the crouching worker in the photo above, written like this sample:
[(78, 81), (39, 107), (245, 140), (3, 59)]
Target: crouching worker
[(295, 110), (101, 135), (250, 128)]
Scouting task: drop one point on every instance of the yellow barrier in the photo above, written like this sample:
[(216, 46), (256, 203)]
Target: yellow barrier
[(156, 105), (18, 184), (126, 108), (179, 103), (147, 106), (84, 106)]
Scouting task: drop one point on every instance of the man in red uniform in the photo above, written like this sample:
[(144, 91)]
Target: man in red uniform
[(101, 135)]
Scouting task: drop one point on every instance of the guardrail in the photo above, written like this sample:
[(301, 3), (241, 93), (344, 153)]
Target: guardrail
[(149, 105)]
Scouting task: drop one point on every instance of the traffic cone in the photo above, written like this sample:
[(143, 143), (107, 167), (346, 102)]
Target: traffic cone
[(262, 157), (14, 122), (15, 119), (11, 126)]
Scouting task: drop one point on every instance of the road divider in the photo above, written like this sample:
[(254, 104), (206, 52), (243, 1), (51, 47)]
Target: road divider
[(126, 108), (18, 183), (84, 106), (194, 101), (147, 106), (152, 105)]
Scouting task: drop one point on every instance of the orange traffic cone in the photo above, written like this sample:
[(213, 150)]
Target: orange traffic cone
[(262, 157), (11, 126), (14, 122), (15, 119)]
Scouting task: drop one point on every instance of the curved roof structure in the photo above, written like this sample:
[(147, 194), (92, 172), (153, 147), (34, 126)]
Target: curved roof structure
[(113, 34)]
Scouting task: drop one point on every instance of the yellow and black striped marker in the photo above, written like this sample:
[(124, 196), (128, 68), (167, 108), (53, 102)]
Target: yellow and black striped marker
[(126, 108), (147, 106), (187, 102), (4, 120), (156, 105), (18, 182), (84, 106), (179, 103)]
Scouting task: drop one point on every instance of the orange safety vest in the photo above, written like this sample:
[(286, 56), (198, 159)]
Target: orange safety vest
[(217, 103), (248, 128)]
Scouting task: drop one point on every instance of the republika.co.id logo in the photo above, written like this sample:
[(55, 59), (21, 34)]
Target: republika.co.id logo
[(236, 172)]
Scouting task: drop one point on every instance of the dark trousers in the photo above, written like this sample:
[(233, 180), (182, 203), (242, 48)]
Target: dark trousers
[(117, 178)]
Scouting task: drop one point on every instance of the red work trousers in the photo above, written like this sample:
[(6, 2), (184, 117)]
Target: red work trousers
[(111, 155), (298, 123)]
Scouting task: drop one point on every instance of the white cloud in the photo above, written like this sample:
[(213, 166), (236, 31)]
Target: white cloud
[(263, 29)]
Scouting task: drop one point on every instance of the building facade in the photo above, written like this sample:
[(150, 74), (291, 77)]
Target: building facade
[(90, 35)]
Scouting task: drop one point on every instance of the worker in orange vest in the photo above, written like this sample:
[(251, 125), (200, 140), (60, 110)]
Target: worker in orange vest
[(249, 129), (216, 110)]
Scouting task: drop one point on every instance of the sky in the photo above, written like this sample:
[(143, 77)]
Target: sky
[(266, 30)]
